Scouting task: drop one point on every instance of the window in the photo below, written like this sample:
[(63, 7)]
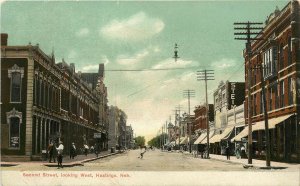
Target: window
[(270, 62), (270, 98), (15, 73), (281, 58), (276, 96), (254, 106), (289, 51), (282, 94), (14, 119), (290, 88), (261, 103)]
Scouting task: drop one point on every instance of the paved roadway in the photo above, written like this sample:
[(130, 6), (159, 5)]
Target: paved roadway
[(156, 168)]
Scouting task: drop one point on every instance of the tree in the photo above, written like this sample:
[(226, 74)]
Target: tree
[(140, 141), (156, 141)]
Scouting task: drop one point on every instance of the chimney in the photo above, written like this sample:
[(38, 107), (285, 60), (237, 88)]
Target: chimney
[(72, 66), (4, 39)]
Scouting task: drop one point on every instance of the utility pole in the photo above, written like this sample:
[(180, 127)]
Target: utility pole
[(249, 30), (206, 75), (179, 124), (189, 93)]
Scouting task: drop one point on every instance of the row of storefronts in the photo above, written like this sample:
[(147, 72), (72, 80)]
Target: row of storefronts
[(279, 55)]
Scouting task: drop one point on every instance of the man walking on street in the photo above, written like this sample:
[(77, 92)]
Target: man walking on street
[(60, 150)]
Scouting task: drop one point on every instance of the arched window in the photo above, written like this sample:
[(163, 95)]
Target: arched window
[(15, 74), (14, 120)]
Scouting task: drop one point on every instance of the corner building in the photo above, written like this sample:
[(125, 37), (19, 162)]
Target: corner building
[(43, 101)]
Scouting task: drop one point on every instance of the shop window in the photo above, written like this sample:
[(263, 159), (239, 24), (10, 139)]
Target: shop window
[(15, 73), (14, 119)]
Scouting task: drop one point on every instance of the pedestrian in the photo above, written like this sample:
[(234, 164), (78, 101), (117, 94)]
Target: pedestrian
[(228, 152), (243, 152), (72, 151), (238, 152), (60, 150), (96, 149), (86, 148), (51, 152), (142, 153)]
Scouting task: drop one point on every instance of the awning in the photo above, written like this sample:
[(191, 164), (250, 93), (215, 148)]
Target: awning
[(184, 140), (211, 133), (260, 126), (200, 138), (226, 133), (172, 144), (272, 123), (241, 135)]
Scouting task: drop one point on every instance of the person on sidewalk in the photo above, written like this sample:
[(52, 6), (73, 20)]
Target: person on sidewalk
[(86, 149), (51, 152), (60, 150), (238, 152), (228, 152), (97, 149), (72, 151), (243, 152)]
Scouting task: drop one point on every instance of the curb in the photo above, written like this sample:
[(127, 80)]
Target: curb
[(72, 164)]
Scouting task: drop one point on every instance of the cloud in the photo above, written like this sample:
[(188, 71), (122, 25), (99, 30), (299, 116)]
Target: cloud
[(132, 60), (83, 32), (138, 57), (137, 27), (90, 68), (169, 63), (105, 60), (224, 63)]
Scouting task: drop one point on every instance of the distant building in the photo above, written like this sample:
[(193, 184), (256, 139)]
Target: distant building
[(200, 122), (129, 138), (117, 128)]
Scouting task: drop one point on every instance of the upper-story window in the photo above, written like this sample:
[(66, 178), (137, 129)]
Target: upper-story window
[(291, 90), (281, 57), (281, 93), (269, 62), (15, 74), (289, 51)]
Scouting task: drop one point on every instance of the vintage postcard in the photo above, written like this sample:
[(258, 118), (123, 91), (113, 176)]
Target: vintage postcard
[(203, 92)]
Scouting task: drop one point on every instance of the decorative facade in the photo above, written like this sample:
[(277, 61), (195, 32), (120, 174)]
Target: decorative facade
[(43, 101)]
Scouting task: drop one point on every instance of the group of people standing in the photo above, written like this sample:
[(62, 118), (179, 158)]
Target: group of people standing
[(56, 151)]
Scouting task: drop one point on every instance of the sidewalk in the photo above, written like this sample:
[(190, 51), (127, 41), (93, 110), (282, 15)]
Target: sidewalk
[(79, 160), (261, 164)]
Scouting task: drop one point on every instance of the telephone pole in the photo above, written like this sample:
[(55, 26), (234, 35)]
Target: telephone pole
[(250, 29), (206, 75), (177, 120), (189, 93)]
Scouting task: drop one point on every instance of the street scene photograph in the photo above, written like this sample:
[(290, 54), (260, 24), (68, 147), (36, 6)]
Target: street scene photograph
[(144, 93)]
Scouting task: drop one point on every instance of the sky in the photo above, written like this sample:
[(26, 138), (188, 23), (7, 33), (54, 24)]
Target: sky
[(133, 35)]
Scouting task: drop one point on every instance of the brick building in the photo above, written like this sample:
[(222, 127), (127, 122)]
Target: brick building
[(43, 101), (279, 54), (200, 117)]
